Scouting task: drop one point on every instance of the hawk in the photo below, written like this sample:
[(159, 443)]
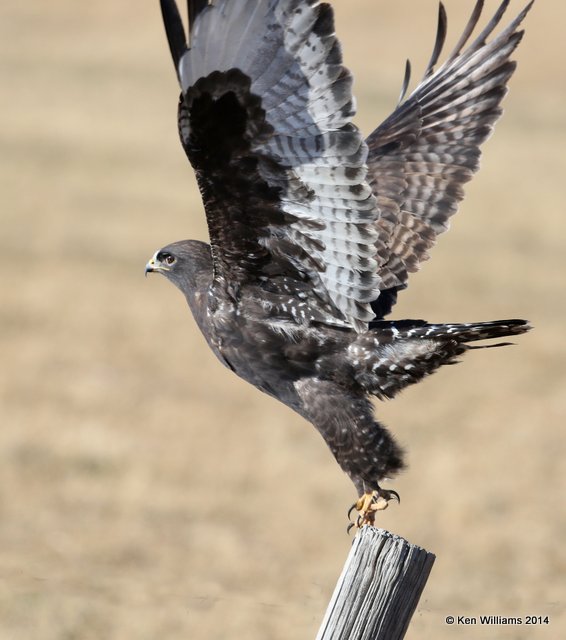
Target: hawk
[(314, 230)]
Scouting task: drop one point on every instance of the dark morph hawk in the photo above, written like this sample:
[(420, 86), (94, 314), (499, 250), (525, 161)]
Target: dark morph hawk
[(314, 231)]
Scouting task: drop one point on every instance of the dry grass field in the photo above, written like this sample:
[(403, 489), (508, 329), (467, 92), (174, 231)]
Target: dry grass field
[(145, 492)]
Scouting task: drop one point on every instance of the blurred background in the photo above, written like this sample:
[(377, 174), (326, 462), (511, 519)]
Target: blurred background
[(146, 492)]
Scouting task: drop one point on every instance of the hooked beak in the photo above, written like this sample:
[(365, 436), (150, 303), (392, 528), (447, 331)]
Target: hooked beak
[(155, 265)]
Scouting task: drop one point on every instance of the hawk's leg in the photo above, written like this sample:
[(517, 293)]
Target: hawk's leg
[(365, 449), (369, 503)]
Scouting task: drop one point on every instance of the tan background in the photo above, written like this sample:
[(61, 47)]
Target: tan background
[(147, 493)]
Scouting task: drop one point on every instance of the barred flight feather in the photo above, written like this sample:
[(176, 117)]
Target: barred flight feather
[(424, 153)]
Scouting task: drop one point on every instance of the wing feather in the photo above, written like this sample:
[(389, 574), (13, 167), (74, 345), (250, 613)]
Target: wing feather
[(422, 155), (439, 42), (266, 120), (174, 31)]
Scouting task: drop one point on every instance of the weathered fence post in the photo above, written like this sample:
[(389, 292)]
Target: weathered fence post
[(379, 588)]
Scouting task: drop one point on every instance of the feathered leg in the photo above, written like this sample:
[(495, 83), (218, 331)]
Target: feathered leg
[(364, 449)]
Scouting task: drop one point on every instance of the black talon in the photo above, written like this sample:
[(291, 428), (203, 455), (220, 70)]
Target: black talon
[(387, 494), (350, 527), (351, 509), (395, 495)]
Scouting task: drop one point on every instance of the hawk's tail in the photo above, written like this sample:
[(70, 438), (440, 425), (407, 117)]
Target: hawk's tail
[(397, 354), (463, 333)]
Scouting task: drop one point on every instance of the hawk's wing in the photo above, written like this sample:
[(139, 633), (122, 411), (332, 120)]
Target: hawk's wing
[(422, 155), (266, 120)]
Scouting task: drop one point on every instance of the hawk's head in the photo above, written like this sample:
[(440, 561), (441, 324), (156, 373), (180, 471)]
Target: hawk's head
[(184, 263)]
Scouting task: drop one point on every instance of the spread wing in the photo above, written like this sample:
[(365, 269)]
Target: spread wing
[(265, 117), (422, 155)]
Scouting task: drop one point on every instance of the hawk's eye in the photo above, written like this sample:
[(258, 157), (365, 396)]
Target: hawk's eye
[(168, 258)]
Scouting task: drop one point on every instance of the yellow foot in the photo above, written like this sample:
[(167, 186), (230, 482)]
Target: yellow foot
[(368, 504)]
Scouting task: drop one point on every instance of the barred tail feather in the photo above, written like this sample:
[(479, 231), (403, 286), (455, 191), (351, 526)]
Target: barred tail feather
[(473, 331), (394, 355)]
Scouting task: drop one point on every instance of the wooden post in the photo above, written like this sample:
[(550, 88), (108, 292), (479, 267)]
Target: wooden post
[(379, 588)]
